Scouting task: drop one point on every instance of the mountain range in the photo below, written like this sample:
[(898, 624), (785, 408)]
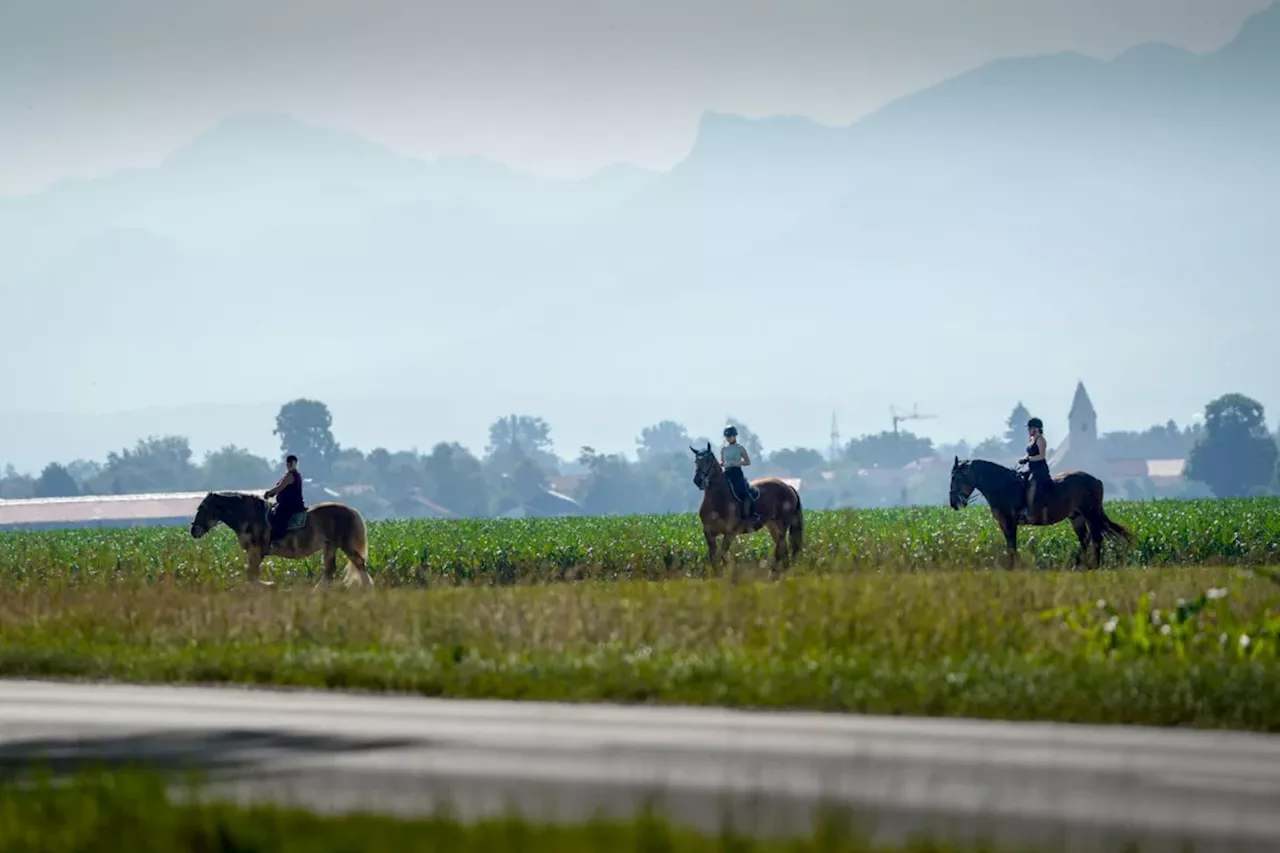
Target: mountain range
[(1028, 223)]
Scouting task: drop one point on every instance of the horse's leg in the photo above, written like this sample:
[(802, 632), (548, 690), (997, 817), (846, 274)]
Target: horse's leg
[(254, 568), (358, 565), (1096, 529), (1081, 526), (728, 546), (711, 548), (1009, 526), (778, 530), (330, 566)]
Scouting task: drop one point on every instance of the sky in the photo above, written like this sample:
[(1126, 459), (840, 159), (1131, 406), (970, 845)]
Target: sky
[(560, 88)]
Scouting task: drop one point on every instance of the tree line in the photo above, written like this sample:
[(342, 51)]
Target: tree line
[(1232, 453)]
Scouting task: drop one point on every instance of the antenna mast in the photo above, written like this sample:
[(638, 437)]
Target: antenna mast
[(835, 439)]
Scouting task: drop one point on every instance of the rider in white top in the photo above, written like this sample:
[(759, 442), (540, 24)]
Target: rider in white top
[(733, 457)]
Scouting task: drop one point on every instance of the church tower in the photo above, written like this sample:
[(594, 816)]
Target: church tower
[(1083, 420), (1079, 448)]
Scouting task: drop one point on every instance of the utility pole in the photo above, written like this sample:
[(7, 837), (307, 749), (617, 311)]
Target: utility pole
[(836, 447), (900, 415)]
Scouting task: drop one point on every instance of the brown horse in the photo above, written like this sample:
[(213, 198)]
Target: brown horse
[(778, 506), (329, 527), (1075, 495)]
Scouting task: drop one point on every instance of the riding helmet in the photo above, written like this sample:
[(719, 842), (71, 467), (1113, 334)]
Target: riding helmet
[(730, 430), (1036, 423)]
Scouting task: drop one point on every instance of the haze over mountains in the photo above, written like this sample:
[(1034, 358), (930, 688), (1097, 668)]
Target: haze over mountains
[(995, 237)]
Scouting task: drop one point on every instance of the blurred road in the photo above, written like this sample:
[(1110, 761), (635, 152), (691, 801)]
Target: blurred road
[(1069, 787)]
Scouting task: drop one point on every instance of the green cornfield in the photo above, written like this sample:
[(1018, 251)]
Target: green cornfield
[(422, 553)]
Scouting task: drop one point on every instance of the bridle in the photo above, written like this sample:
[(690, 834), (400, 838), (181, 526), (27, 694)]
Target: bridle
[(702, 477)]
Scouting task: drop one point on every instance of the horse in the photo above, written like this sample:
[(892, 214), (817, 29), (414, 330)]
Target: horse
[(778, 505), (328, 527), (1075, 495)]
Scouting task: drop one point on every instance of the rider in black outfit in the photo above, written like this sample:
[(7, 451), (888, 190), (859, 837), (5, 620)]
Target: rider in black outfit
[(289, 501), (1036, 496)]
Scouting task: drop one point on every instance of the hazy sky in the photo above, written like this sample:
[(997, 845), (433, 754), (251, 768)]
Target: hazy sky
[(559, 88)]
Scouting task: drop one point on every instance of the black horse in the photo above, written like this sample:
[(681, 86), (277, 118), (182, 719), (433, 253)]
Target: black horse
[(1075, 495)]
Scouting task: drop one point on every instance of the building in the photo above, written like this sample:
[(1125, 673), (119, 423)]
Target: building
[(546, 503), (153, 510), (165, 509), (416, 505), (1122, 478)]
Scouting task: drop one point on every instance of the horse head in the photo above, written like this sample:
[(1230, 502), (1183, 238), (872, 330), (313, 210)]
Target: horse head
[(962, 483), (229, 508), (705, 465), (208, 516)]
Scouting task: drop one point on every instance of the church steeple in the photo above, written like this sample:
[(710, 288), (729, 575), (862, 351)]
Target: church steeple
[(1082, 417)]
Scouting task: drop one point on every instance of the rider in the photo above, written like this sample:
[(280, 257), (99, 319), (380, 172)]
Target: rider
[(289, 501), (733, 456), (1037, 473)]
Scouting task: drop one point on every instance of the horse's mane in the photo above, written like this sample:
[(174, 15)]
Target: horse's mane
[(239, 505), (225, 495), (987, 465), (998, 478)]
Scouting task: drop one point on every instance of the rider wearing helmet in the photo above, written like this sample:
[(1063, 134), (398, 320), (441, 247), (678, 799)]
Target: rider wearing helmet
[(1034, 497), (733, 457)]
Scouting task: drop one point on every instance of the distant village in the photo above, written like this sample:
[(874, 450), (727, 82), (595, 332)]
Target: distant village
[(826, 484)]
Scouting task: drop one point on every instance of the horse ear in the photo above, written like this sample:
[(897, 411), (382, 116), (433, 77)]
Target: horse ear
[(956, 464), (708, 447), (692, 450)]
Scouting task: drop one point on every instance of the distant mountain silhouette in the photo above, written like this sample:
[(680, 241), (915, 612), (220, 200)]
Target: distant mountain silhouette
[(1133, 201), (257, 172)]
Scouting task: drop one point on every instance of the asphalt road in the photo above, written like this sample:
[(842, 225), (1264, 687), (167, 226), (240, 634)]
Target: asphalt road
[(1070, 787)]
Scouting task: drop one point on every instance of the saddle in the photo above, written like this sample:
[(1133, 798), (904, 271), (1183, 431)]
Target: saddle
[(297, 521)]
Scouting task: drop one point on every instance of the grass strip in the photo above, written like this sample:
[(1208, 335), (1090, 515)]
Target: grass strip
[(1108, 647), (136, 811)]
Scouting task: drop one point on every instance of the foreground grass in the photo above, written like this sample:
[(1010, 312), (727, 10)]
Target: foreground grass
[(431, 553), (133, 811), (1075, 647)]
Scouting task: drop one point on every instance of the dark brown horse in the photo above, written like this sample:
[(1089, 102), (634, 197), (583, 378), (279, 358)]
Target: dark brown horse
[(778, 507), (329, 527), (1075, 495)]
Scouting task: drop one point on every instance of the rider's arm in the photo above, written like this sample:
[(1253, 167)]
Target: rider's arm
[(746, 457), (1040, 448), (279, 487)]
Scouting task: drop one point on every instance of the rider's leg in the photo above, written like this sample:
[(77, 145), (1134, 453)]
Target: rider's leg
[(279, 520), (1042, 492), (1032, 509), (740, 490)]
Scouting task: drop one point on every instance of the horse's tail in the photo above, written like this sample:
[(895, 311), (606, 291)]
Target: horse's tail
[(795, 531), (1114, 529), (357, 550), (1110, 527)]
